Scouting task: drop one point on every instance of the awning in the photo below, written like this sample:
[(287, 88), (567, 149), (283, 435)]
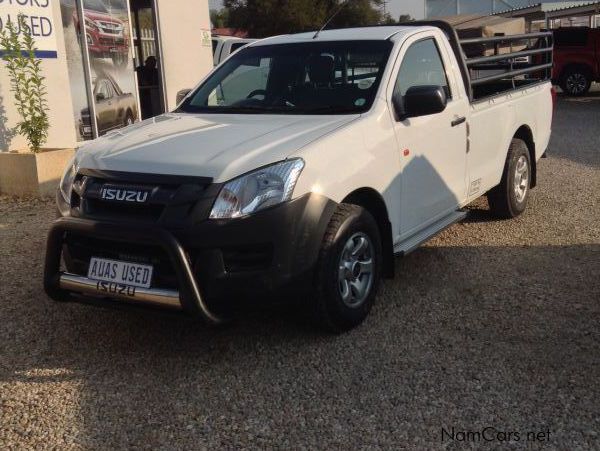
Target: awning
[(553, 10)]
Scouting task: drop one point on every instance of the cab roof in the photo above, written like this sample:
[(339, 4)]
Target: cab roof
[(378, 33)]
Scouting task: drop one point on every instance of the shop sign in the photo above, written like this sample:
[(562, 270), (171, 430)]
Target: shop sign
[(206, 38), (38, 18)]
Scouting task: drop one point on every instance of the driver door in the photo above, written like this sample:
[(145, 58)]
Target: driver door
[(104, 106), (432, 148)]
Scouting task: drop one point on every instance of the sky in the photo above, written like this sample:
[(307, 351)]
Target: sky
[(413, 7), (395, 7)]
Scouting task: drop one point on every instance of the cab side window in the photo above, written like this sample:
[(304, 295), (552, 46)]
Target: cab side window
[(422, 66), (103, 92)]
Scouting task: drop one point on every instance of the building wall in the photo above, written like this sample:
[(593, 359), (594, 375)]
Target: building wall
[(187, 57), (62, 130), (186, 46)]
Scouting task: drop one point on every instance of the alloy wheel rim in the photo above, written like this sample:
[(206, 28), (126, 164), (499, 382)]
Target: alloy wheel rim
[(521, 183), (576, 83), (355, 276)]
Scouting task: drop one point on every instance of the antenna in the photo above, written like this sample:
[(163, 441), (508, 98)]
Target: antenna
[(337, 11)]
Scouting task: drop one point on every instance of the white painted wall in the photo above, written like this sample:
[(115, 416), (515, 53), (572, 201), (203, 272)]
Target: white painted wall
[(187, 54), (62, 129)]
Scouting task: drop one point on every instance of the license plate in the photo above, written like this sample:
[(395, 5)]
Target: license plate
[(113, 50), (119, 272)]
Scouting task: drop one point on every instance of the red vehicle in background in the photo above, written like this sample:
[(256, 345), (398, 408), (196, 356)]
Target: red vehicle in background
[(106, 35), (576, 59)]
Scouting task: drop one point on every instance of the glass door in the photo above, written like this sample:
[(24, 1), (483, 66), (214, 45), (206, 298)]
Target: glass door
[(147, 58)]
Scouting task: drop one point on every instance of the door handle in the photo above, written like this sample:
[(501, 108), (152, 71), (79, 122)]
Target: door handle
[(458, 121)]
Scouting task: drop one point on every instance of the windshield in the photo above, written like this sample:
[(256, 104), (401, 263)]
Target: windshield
[(95, 5), (304, 78)]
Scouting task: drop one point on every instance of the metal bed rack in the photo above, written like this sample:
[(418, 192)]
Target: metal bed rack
[(535, 69)]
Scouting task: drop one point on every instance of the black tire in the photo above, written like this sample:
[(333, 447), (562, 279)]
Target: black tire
[(329, 309), (503, 199), (129, 119), (576, 81)]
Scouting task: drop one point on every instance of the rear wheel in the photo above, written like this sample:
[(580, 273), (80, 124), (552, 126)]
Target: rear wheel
[(509, 199), (576, 81), (348, 270)]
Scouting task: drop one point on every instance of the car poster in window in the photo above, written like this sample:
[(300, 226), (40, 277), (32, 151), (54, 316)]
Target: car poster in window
[(105, 30)]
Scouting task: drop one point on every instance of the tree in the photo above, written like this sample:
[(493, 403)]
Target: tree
[(26, 81), (262, 18), (387, 19), (219, 18)]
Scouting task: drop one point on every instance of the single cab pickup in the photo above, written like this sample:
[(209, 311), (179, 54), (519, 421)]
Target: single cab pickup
[(301, 166)]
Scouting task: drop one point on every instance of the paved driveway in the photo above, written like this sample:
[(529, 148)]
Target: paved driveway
[(492, 324)]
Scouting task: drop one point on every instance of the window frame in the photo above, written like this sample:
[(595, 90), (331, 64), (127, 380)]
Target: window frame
[(388, 47), (104, 83), (401, 58)]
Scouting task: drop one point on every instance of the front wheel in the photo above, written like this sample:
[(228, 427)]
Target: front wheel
[(129, 119), (509, 199), (348, 270)]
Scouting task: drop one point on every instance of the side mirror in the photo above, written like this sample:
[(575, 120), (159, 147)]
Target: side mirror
[(420, 101), (181, 95), (100, 96)]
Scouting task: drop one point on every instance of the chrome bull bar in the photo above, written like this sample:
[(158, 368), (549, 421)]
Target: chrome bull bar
[(62, 286), (152, 296)]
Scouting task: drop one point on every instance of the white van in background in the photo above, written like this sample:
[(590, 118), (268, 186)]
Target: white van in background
[(223, 46)]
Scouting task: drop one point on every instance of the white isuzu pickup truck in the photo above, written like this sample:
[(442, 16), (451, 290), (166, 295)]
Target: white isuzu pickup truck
[(303, 164)]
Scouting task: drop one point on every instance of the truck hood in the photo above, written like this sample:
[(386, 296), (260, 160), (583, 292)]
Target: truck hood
[(217, 146), (98, 15)]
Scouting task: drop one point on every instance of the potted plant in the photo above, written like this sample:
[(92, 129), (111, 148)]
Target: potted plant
[(36, 170)]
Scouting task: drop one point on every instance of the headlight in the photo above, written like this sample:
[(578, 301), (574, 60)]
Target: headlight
[(90, 24), (66, 182), (257, 190)]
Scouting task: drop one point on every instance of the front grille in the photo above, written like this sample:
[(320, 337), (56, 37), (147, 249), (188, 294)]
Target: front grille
[(112, 41), (143, 212), (110, 27), (167, 200)]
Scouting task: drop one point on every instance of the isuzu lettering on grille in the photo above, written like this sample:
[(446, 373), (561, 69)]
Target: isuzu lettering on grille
[(124, 195)]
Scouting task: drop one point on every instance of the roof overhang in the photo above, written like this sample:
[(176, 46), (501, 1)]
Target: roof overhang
[(589, 9), (542, 11)]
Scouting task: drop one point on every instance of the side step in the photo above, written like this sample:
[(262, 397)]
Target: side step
[(414, 241)]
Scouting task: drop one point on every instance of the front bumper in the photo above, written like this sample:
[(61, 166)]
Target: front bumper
[(212, 262), (102, 44), (85, 129)]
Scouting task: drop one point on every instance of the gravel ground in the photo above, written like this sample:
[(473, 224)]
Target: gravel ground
[(492, 324)]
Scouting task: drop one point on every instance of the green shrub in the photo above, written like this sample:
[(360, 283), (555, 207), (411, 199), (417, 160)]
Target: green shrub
[(27, 82)]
